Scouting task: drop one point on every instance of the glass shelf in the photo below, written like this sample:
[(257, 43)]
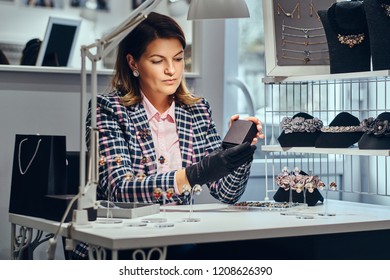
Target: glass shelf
[(327, 151), (359, 76)]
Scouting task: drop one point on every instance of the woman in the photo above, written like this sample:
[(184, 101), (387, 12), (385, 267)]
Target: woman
[(154, 135)]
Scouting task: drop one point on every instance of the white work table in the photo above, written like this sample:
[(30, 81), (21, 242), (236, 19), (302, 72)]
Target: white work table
[(220, 223)]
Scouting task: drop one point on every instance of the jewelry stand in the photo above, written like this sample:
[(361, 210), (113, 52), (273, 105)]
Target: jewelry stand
[(197, 189), (378, 21), (108, 220), (333, 187), (161, 222), (290, 200), (304, 198), (340, 29)]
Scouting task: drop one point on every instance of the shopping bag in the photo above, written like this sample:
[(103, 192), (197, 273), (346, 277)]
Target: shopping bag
[(39, 170)]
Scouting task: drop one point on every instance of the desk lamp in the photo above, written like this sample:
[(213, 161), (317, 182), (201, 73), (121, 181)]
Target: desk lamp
[(96, 52), (217, 9), (199, 9)]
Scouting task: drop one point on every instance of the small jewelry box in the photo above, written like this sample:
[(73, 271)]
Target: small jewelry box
[(239, 132), (127, 210)]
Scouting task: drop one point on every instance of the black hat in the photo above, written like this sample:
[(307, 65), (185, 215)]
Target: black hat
[(304, 133), (378, 21), (342, 132), (377, 136), (346, 31)]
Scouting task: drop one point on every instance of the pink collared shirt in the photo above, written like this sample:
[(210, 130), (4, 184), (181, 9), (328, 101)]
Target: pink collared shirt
[(165, 138)]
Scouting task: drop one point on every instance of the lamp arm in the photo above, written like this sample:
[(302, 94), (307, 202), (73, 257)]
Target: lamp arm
[(112, 39), (87, 190)]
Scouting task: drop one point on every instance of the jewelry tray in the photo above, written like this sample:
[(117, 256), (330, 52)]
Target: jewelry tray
[(267, 206), (127, 210)]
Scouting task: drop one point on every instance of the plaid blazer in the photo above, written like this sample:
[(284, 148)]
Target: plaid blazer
[(128, 164)]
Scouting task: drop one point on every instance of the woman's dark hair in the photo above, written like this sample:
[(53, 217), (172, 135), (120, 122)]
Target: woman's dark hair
[(155, 26)]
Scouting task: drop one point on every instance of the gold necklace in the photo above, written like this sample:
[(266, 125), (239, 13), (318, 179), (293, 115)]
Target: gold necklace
[(351, 40), (305, 60), (313, 9), (290, 15), (307, 53), (305, 43), (307, 36)]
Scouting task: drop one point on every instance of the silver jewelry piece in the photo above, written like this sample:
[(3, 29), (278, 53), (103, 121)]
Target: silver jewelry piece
[(300, 124), (136, 73), (340, 129), (304, 30), (306, 59), (302, 35), (307, 53)]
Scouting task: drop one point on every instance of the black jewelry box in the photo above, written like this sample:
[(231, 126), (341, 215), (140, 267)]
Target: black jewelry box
[(239, 132)]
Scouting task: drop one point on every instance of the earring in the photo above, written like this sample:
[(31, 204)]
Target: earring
[(135, 73)]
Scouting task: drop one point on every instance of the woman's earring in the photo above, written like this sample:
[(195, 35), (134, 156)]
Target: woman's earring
[(135, 73)]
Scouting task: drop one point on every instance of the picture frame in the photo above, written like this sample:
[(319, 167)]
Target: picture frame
[(272, 37), (59, 42)]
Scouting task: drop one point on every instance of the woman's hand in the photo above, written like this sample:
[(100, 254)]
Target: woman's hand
[(255, 121)]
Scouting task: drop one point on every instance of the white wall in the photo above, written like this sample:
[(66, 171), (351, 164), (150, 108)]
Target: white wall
[(20, 23), (47, 103)]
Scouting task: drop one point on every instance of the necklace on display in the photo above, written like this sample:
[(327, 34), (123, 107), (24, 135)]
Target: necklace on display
[(351, 40), (32, 158), (290, 15), (307, 53), (352, 36), (313, 9), (304, 30), (305, 60), (386, 8), (305, 43), (307, 36)]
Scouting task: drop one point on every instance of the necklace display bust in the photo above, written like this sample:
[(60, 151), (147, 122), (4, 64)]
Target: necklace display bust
[(347, 35)]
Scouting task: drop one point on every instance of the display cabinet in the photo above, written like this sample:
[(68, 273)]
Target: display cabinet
[(361, 175)]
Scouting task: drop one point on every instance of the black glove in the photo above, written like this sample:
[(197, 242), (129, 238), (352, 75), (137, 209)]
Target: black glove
[(219, 164)]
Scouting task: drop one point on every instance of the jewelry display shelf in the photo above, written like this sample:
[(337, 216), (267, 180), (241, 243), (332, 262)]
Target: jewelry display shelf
[(346, 77), (360, 174), (326, 151)]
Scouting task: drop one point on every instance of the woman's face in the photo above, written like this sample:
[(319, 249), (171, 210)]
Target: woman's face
[(160, 67)]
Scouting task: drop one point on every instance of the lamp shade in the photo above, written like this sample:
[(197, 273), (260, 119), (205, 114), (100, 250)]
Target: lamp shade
[(217, 9), (178, 8)]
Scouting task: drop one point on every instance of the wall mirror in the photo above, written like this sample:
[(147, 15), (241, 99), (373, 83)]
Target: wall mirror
[(98, 18)]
